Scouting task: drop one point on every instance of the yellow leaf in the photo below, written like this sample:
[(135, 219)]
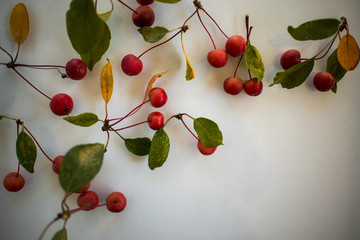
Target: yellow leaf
[(107, 82), (19, 23), (348, 53), (190, 74)]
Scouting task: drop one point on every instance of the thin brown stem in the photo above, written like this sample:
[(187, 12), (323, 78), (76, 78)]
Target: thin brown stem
[(215, 22), (17, 53), (133, 125), (48, 226), (37, 143), (127, 6), (12, 60), (238, 64), (118, 120), (202, 23)]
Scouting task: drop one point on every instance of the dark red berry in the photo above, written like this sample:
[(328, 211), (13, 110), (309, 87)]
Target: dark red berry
[(131, 65), (158, 97), (155, 120), (14, 182), (290, 58), (75, 69), (57, 163), (144, 16), (252, 87), (323, 81), (88, 200), (217, 58), (145, 2), (205, 150), (235, 45), (233, 85), (61, 104), (116, 202)]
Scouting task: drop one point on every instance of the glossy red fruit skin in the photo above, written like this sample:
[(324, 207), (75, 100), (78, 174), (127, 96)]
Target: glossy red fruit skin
[(155, 120), (116, 202), (233, 85), (323, 81), (13, 182), (217, 57), (158, 97), (144, 16), (290, 58), (76, 69), (131, 65), (88, 200), (61, 104), (145, 2), (57, 163), (235, 45), (252, 88), (205, 150), (84, 189)]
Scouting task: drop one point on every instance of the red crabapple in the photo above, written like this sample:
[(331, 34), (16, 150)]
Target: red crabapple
[(144, 16), (158, 97), (235, 45), (155, 120), (131, 65), (61, 104), (75, 69), (233, 85), (145, 2), (88, 200), (217, 57), (290, 58), (14, 182), (323, 81), (57, 163), (252, 87), (205, 150), (84, 189), (116, 202)]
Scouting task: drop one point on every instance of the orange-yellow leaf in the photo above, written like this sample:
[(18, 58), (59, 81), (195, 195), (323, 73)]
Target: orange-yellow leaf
[(19, 23), (348, 52), (107, 82)]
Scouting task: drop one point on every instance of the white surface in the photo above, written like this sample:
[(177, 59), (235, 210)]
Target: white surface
[(289, 168)]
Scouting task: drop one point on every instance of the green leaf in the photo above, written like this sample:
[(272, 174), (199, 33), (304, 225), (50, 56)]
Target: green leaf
[(80, 165), (253, 62), (83, 120), (138, 146), (295, 75), (94, 55), (315, 29), (168, 1), (334, 67), (60, 235), (154, 34), (85, 28), (159, 149), (1, 117), (208, 132), (26, 151)]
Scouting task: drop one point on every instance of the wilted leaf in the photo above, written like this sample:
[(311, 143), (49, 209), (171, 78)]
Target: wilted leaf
[(94, 55), (159, 149), (190, 74), (168, 1), (253, 62), (138, 146), (333, 66), (294, 76), (107, 82), (154, 34), (315, 29), (83, 120), (348, 52), (26, 151), (105, 15), (80, 165), (60, 235), (85, 28), (208, 132), (19, 23)]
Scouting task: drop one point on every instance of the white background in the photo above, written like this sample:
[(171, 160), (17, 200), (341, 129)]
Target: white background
[(288, 169)]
